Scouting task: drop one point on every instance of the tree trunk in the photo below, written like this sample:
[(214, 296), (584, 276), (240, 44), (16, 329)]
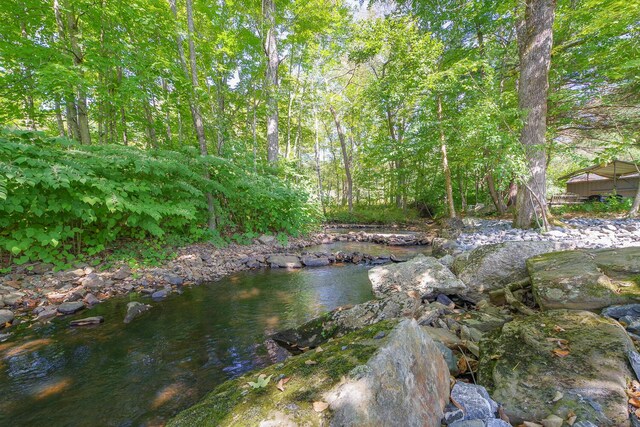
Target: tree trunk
[(167, 117), (345, 158), (151, 126), (535, 39), (316, 149), (445, 165), (78, 59), (495, 196), (123, 120), (193, 99), (271, 80), (59, 119)]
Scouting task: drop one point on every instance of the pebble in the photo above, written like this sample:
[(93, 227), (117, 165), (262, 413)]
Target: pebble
[(588, 233), (6, 316), (70, 307)]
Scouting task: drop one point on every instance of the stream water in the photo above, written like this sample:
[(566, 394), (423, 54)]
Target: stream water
[(144, 372)]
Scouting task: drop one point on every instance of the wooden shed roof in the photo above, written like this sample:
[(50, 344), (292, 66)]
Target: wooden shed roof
[(616, 168)]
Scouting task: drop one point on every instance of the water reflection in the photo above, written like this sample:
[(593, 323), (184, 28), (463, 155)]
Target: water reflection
[(143, 372)]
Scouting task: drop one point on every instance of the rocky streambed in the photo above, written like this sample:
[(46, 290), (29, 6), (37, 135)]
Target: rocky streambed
[(521, 332), (37, 292)]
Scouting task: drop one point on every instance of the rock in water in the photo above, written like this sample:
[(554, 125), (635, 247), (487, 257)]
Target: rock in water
[(6, 316), (572, 279), (70, 307), (491, 267), (343, 320), (87, 321), (574, 354), (135, 309), (422, 274), (284, 261), (313, 261), (406, 383)]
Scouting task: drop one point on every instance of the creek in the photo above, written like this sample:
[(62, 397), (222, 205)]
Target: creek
[(142, 373)]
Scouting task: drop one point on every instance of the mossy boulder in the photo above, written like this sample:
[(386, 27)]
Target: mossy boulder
[(346, 319), (621, 263), (316, 375), (573, 279), (492, 267), (557, 363)]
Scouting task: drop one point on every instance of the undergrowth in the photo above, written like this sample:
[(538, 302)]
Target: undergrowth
[(378, 214), (60, 200)]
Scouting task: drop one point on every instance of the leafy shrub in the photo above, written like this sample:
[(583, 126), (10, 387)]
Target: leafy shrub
[(382, 214), (612, 204), (59, 199)]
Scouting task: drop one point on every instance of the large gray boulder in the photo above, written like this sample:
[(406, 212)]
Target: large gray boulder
[(492, 267), (557, 363), (406, 383), (422, 274), (572, 279)]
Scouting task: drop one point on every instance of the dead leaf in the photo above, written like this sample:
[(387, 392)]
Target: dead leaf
[(320, 406), (281, 383), (462, 365), (634, 402), (503, 416), (319, 350), (637, 412), (572, 420), (310, 362), (560, 352), (558, 329)]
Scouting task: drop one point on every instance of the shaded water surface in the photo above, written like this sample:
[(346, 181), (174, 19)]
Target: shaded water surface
[(142, 373)]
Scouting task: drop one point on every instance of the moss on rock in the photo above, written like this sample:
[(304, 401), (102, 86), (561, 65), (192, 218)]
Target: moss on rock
[(235, 403), (578, 354)]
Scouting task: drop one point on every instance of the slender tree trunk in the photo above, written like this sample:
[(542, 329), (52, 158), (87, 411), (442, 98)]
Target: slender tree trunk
[(59, 119), (123, 121), (345, 158), (445, 165), (72, 120), (535, 39), (271, 80), (495, 196), (78, 59), (316, 149), (167, 117), (193, 99), (151, 127)]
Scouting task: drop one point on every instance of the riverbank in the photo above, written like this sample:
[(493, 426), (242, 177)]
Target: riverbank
[(37, 292)]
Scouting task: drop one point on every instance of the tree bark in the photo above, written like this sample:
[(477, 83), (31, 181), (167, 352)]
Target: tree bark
[(59, 119), (193, 99), (495, 196), (271, 80), (535, 39), (445, 165), (345, 158), (78, 59), (316, 149)]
